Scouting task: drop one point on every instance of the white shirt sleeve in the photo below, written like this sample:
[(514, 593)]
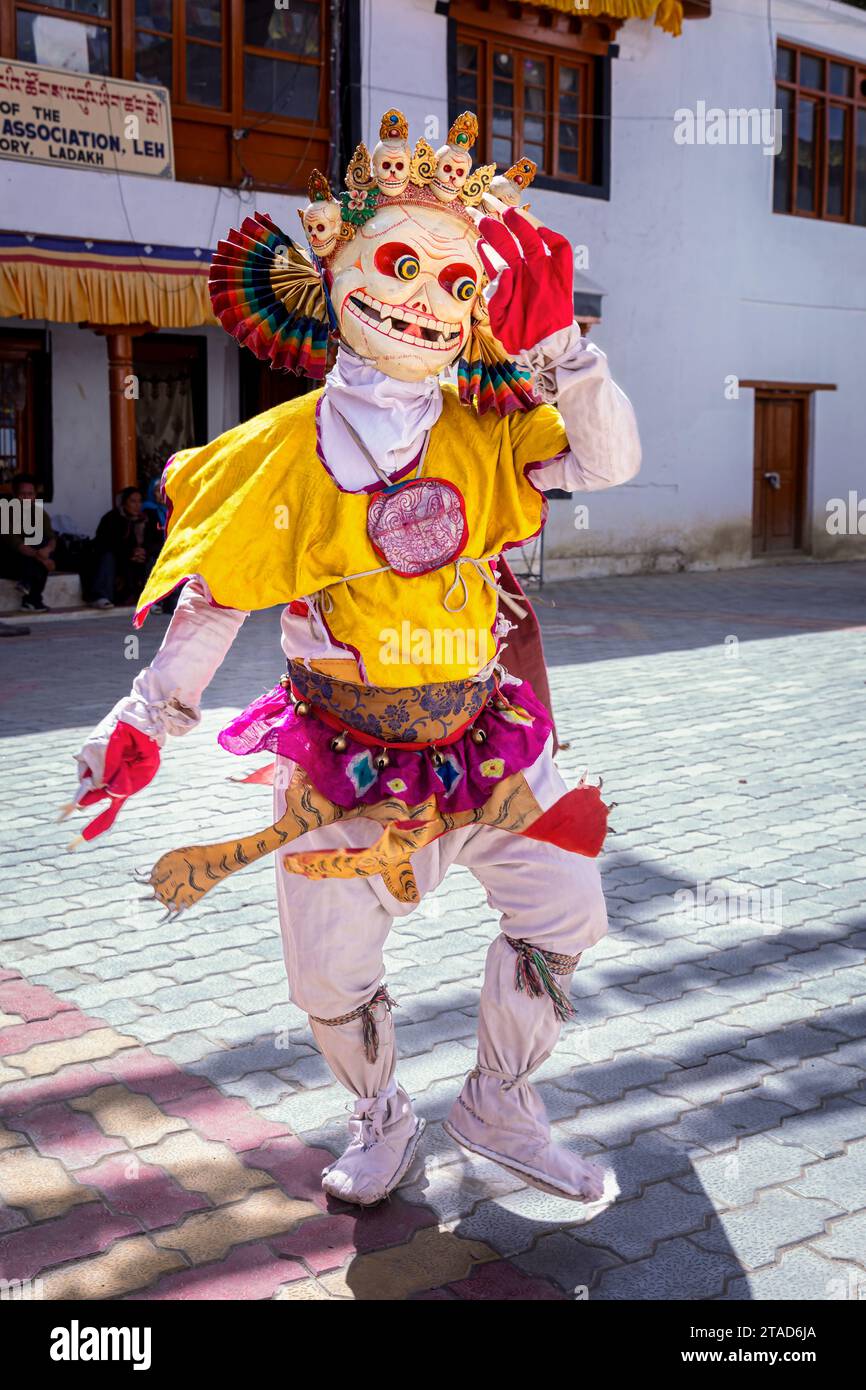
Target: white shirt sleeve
[(166, 696), (604, 447)]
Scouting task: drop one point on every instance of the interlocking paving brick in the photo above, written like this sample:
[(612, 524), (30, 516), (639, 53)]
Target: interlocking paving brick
[(203, 1166), (58, 1131), (431, 1259), (250, 1272), (129, 1265), (141, 1190), (209, 1235), (40, 1186), (840, 1179), (86, 1230), (49, 1057), (677, 1269), (755, 1234), (801, 1274), (130, 1116)]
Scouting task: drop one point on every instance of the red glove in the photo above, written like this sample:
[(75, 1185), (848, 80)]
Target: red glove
[(131, 761), (533, 294)]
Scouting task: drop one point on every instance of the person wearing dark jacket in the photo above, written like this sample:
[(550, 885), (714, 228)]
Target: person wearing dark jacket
[(127, 543)]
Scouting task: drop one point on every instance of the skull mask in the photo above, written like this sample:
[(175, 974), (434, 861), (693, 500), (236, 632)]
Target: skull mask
[(322, 225), (404, 289), (452, 170), (391, 159)]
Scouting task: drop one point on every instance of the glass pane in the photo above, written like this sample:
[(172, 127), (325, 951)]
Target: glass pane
[(154, 14), (533, 99), (806, 119), (811, 71), (467, 89), (467, 57), (836, 162), (285, 89), (503, 93), (840, 79), (502, 151), (204, 19), (569, 79), (533, 72), (292, 30), (63, 43), (860, 172), (536, 153), (204, 78), (503, 122), (785, 64), (153, 59), (533, 128), (568, 135), (568, 103), (567, 161), (782, 161), (503, 65)]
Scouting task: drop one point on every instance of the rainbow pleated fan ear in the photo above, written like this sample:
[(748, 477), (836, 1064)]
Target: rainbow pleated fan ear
[(267, 294), (487, 377)]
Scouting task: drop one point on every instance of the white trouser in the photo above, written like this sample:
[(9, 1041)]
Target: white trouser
[(334, 932)]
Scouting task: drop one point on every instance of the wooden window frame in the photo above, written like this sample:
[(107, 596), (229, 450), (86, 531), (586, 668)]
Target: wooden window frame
[(33, 348), (560, 40), (311, 137), (824, 99)]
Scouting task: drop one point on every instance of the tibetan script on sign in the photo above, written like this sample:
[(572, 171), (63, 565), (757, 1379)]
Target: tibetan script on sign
[(76, 120)]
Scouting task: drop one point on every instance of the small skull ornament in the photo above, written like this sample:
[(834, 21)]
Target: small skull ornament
[(452, 171), (391, 161), (322, 225)]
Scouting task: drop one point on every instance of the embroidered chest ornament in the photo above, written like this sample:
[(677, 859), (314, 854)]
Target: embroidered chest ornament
[(417, 526), (393, 271)]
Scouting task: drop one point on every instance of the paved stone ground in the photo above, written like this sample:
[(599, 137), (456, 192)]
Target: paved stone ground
[(164, 1115)]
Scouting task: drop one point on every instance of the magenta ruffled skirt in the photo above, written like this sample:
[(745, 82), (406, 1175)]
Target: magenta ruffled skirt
[(464, 780)]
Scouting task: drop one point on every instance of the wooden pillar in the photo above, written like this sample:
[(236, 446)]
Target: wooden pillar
[(121, 400), (121, 403)]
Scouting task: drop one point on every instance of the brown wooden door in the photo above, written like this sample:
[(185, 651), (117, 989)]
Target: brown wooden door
[(781, 453)]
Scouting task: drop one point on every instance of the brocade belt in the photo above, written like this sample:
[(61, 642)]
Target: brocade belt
[(409, 716)]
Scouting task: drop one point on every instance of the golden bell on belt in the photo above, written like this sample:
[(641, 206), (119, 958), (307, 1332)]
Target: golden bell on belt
[(302, 707), (478, 736), (382, 760), (338, 743), (436, 758)]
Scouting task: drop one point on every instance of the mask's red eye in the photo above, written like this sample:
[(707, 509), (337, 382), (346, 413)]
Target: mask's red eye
[(395, 258), (460, 280)]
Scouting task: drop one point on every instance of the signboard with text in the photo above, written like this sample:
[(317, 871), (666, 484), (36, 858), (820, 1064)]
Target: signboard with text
[(76, 120)]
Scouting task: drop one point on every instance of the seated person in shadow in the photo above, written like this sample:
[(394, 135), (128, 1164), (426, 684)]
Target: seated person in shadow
[(127, 542)]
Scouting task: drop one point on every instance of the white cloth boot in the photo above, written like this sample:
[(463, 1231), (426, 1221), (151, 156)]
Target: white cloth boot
[(384, 1131), (498, 1114)]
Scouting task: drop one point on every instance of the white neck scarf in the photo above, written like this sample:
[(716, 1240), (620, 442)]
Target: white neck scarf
[(391, 417)]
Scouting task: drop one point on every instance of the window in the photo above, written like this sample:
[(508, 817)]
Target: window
[(73, 34), (820, 170), (539, 86), (248, 78), (25, 408)]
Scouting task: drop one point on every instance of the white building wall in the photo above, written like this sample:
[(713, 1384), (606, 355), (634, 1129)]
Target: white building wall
[(704, 281)]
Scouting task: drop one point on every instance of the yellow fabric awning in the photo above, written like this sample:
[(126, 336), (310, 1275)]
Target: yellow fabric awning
[(668, 14), (65, 280)]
